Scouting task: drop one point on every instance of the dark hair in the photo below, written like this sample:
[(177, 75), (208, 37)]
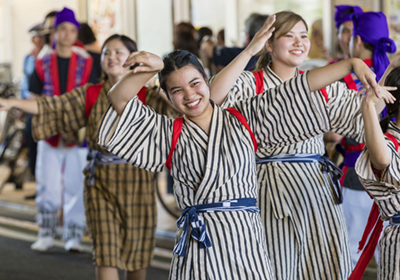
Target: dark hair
[(221, 36), (128, 43), (184, 37), (51, 14), (201, 33), (392, 80), (284, 22), (254, 23), (86, 35), (175, 61)]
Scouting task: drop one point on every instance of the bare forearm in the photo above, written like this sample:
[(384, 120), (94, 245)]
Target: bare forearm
[(227, 77), (321, 77), (127, 88), (27, 106), (381, 105), (374, 139)]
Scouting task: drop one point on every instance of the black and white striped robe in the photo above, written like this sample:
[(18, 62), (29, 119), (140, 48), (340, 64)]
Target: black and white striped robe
[(386, 194), (306, 232), (217, 167)]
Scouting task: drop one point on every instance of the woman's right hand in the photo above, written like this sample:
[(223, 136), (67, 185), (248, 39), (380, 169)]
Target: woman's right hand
[(262, 36), (144, 62)]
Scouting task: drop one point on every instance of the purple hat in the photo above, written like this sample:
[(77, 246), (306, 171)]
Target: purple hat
[(343, 13), (66, 15), (372, 27)]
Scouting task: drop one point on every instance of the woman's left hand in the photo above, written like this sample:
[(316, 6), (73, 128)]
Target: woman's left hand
[(261, 37), (372, 98)]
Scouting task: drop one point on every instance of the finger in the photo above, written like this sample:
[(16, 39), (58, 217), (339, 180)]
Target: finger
[(361, 91), (132, 59), (141, 68), (388, 88), (387, 96)]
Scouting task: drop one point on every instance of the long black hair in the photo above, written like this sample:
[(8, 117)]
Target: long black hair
[(175, 61), (393, 80)]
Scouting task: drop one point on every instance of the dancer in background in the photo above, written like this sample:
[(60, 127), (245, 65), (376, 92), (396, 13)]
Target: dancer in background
[(60, 159), (370, 42), (119, 198), (378, 168)]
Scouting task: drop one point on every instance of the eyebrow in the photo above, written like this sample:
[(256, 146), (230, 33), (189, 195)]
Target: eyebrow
[(300, 32), (197, 78)]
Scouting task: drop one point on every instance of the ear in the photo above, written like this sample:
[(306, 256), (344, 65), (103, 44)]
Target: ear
[(358, 41), (268, 46)]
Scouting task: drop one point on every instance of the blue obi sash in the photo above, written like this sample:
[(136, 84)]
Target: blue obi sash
[(330, 170), (190, 217)]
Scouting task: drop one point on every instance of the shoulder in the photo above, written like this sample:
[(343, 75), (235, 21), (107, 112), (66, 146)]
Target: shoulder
[(81, 52)]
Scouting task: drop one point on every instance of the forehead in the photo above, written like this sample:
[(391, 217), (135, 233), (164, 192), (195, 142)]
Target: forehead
[(182, 76), (67, 25), (346, 25), (114, 44)]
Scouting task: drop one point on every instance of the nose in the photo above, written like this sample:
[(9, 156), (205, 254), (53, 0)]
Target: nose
[(189, 94)]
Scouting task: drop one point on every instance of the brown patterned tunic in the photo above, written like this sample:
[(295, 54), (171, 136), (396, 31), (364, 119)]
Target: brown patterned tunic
[(120, 208)]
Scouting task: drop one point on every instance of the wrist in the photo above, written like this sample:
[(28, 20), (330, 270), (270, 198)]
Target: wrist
[(247, 53)]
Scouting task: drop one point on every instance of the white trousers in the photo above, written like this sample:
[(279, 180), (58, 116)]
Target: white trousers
[(356, 208), (60, 183)]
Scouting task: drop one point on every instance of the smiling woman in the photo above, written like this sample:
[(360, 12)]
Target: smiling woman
[(210, 152), (296, 197)]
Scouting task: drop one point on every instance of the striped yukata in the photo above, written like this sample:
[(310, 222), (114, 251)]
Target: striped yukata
[(386, 194), (219, 166), (120, 208), (305, 230)]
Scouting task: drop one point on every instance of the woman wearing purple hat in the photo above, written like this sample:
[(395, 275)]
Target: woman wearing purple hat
[(344, 26), (370, 42)]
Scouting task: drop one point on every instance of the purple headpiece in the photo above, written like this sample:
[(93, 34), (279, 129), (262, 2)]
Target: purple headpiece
[(343, 13), (66, 15), (373, 29)]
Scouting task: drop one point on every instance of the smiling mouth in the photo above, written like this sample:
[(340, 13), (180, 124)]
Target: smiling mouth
[(190, 105), (297, 52)]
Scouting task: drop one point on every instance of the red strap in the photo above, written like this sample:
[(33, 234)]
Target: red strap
[(177, 129), (242, 119), (322, 90), (54, 74), (344, 170), (73, 62), (176, 132), (354, 148), (39, 69), (351, 84), (259, 75), (373, 221), (395, 142), (142, 95), (92, 93)]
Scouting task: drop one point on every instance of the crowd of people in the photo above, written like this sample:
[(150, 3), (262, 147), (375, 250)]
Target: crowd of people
[(242, 132)]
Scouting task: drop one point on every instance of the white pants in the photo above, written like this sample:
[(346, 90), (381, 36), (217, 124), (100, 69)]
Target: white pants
[(356, 208), (60, 183)]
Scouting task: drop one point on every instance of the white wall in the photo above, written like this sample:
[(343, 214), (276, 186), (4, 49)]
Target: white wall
[(154, 26)]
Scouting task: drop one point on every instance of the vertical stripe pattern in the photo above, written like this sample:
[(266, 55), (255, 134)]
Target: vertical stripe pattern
[(386, 194), (218, 166), (295, 198)]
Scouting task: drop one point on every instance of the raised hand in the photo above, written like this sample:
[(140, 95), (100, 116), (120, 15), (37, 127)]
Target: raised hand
[(144, 62), (372, 98), (261, 37)]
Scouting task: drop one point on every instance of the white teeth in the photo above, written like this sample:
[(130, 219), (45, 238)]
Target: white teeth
[(193, 103), (297, 52)]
